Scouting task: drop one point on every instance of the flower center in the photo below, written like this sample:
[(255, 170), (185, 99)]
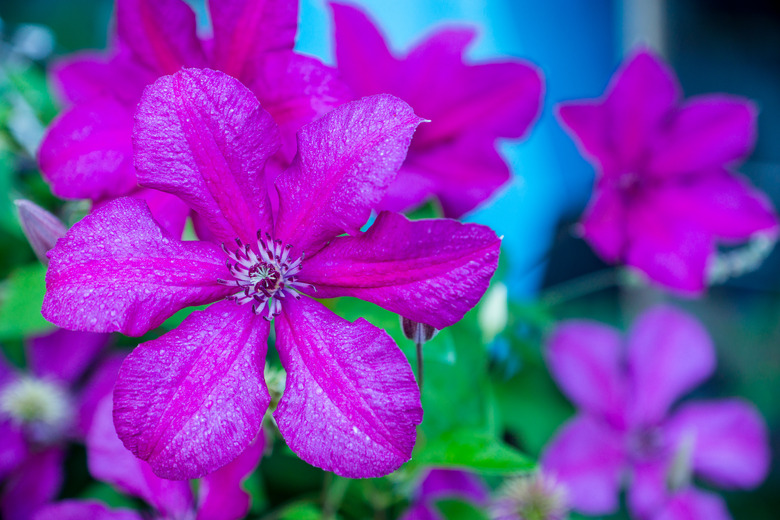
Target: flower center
[(41, 406), (264, 275), (646, 444), (531, 497)]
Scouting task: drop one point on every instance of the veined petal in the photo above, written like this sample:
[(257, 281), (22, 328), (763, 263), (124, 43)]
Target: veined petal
[(117, 270), (587, 122), (694, 504), (430, 271), (34, 483), (193, 400), (64, 354), (168, 210), (587, 457), (669, 353), (13, 449), (87, 152), (585, 359), (730, 441), (81, 509), (220, 496), (603, 224), (202, 136), (161, 33), (453, 483), (351, 403), (345, 162), (109, 461), (246, 30), (100, 383)]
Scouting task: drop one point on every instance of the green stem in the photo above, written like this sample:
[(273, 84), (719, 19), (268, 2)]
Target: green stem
[(580, 286)]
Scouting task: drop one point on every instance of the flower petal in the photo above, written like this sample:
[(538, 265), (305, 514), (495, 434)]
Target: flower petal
[(246, 30), (707, 132), (453, 483), (168, 210), (351, 403), (13, 449), (109, 461), (81, 509), (648, 486), (585, 358), (730, 439), (345, 162), (192, 400), (100, 383), (33, 484), (694, 504), (603, 224), (430, 271), (64, 354), (87, 152), (587, 458), (669, 353), (587, 122), (161, 33), (220, 495), (421, 511), (202, 136), (117, 270)]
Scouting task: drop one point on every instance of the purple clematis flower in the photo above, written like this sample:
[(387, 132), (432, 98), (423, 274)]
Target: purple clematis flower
[(192, 400), (665, 193), (40, 411), (439, 484), (220, 496), (454, 158), (624, 427), (87, 152)]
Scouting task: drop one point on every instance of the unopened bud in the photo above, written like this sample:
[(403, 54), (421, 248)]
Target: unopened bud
[(493, 313), (530, 497), (41, 228), (418, 332)]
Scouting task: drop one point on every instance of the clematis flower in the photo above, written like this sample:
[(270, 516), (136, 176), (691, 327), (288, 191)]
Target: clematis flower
[(87, 152), (219, 497), (43, 409), (470, 106), (192, 400), (438, 484), (665, 193), (624, 391)]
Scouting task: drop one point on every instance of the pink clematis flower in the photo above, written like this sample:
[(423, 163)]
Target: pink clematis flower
[(439, 484), (665, 193), (219, 497), (624, 392), (40, 411), (87, 152), (192, 400), (454, 158)]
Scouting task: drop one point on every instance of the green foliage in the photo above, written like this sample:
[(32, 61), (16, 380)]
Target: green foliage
[(459, 510), (476, 451), (22, 298)]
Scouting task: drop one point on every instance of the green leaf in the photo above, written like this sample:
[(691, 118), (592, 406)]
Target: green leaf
[(473, 450), (453, 509), (300, 511), (108, 495), (22, 299)]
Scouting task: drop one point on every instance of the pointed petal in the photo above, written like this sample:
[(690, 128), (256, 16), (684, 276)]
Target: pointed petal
[(81, 509), (109, 461), (585, 359), (454, 483), (220, 495), (192, 400), (429, 271), (731, 445), (13, 449), (64, 354), (669, 353), (587, 123), (587, 457), (421, 511), (161, 33), (41, 228), (34, 483), (202, 135), (100, 383), (648, 492), (694, 504), (87, 151), (363, 58), (345, 162), (245, 31), (117, 270), (351, 403), (603, 224), (707, 132), (168, 210)]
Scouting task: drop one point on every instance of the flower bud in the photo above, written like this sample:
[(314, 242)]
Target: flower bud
[(41, 228), (418, 332)]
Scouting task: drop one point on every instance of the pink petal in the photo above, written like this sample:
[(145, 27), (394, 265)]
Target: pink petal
[(87, 151), (203, 136), (586, 360), (642, 95), (100, 383), (111, 462), (669, 354), (161, 33), (421, 511), (587, 122), (64, 354), (246, 30), (430, 271), (648, 487), (345, 162), (603, 224), (220, 495), (35, 483), (412, 187), (13, 449), (192, 400), (707, 132), (694, 504), (83, 509), (731, 445), (117, 270), (587, 457), (351, 403), (454, 483), (363, 58), (168, 210)]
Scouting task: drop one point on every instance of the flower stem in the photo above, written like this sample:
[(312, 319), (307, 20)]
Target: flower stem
[(580, 286)]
